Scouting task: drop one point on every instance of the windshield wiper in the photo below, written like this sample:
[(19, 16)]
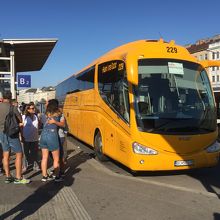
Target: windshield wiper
[(187, 129), (166, 126), (206, 129)]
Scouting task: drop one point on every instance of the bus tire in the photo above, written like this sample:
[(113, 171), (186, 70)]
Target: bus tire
[(98, 148), (134, 173)]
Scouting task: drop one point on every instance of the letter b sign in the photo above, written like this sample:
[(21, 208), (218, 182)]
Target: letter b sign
[(24, 81)]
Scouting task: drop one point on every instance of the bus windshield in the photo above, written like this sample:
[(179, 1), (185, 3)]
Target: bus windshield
[(173, 96)]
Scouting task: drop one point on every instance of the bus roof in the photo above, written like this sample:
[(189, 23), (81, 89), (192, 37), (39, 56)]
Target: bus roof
[(154, 46)]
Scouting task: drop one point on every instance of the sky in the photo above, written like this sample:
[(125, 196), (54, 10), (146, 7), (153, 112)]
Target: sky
[(87, 29)]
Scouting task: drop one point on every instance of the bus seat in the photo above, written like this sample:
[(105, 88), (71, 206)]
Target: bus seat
[(143, 107)]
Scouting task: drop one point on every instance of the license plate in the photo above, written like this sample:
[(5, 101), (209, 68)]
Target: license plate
[(179, 163)]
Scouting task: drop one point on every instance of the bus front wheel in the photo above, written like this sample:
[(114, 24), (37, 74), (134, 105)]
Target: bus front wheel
[(98, 148)]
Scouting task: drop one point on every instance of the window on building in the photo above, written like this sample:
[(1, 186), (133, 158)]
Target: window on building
[(213, 68), (217, 55), (213, 78), (206, 56), (217, 78), (213, 55)]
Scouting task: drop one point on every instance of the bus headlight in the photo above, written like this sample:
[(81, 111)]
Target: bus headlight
[(215, 147), (140, 149)]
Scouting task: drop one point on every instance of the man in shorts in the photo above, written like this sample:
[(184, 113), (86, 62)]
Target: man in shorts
[(1, 152), (1, 157), (10, 143)]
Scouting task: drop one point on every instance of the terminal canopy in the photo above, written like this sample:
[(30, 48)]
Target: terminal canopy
[(30, 54)]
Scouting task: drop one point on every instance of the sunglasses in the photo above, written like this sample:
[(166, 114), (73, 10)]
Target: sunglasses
[(32, 108)]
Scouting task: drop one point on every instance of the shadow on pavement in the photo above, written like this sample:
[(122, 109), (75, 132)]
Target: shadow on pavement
[(46, 191), (209, 177)]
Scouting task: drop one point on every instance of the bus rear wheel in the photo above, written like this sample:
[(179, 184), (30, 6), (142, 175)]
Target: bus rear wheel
[(98, 148)]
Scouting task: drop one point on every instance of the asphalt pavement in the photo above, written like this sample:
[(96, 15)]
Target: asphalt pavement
[(94, 190), (43, 200)]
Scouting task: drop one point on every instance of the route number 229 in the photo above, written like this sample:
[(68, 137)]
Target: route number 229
[(171, 50)]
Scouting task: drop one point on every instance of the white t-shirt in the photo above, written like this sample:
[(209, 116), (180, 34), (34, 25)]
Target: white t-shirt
[(61, 131), (30, 129)]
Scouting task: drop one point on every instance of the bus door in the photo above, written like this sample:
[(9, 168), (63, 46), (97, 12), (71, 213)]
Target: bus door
[(122, 120), (106, 120), (113, 88)]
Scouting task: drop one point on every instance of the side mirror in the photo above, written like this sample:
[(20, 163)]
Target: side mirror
[(132, 68), (210, 63)]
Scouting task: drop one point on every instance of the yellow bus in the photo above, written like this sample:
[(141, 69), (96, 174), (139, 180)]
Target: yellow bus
[(147, 104)]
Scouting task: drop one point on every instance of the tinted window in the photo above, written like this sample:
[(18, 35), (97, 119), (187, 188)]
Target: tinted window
[(113, 86), (173, 96), (86, 79), (67, 86)]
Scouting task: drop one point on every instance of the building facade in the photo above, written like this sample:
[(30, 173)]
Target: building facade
[(38, 96), (209, 49), (214, 54), (26, 95), (44, 94)]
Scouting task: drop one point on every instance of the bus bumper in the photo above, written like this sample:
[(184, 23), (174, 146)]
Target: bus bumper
[(166, 161)]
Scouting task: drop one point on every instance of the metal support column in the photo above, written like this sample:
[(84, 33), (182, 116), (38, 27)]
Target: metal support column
[(9, 75), (12, 81), (5, 76)]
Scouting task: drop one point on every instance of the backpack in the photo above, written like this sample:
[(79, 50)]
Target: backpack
[(11, 125)]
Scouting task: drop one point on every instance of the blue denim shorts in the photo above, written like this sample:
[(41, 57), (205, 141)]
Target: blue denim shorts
[(8, 143), (49, 139)]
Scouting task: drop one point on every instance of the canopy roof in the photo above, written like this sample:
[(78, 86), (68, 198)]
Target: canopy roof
[(30, 54)]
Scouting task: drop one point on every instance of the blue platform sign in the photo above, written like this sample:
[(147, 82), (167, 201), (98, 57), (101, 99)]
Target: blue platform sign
[(24, 81)]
